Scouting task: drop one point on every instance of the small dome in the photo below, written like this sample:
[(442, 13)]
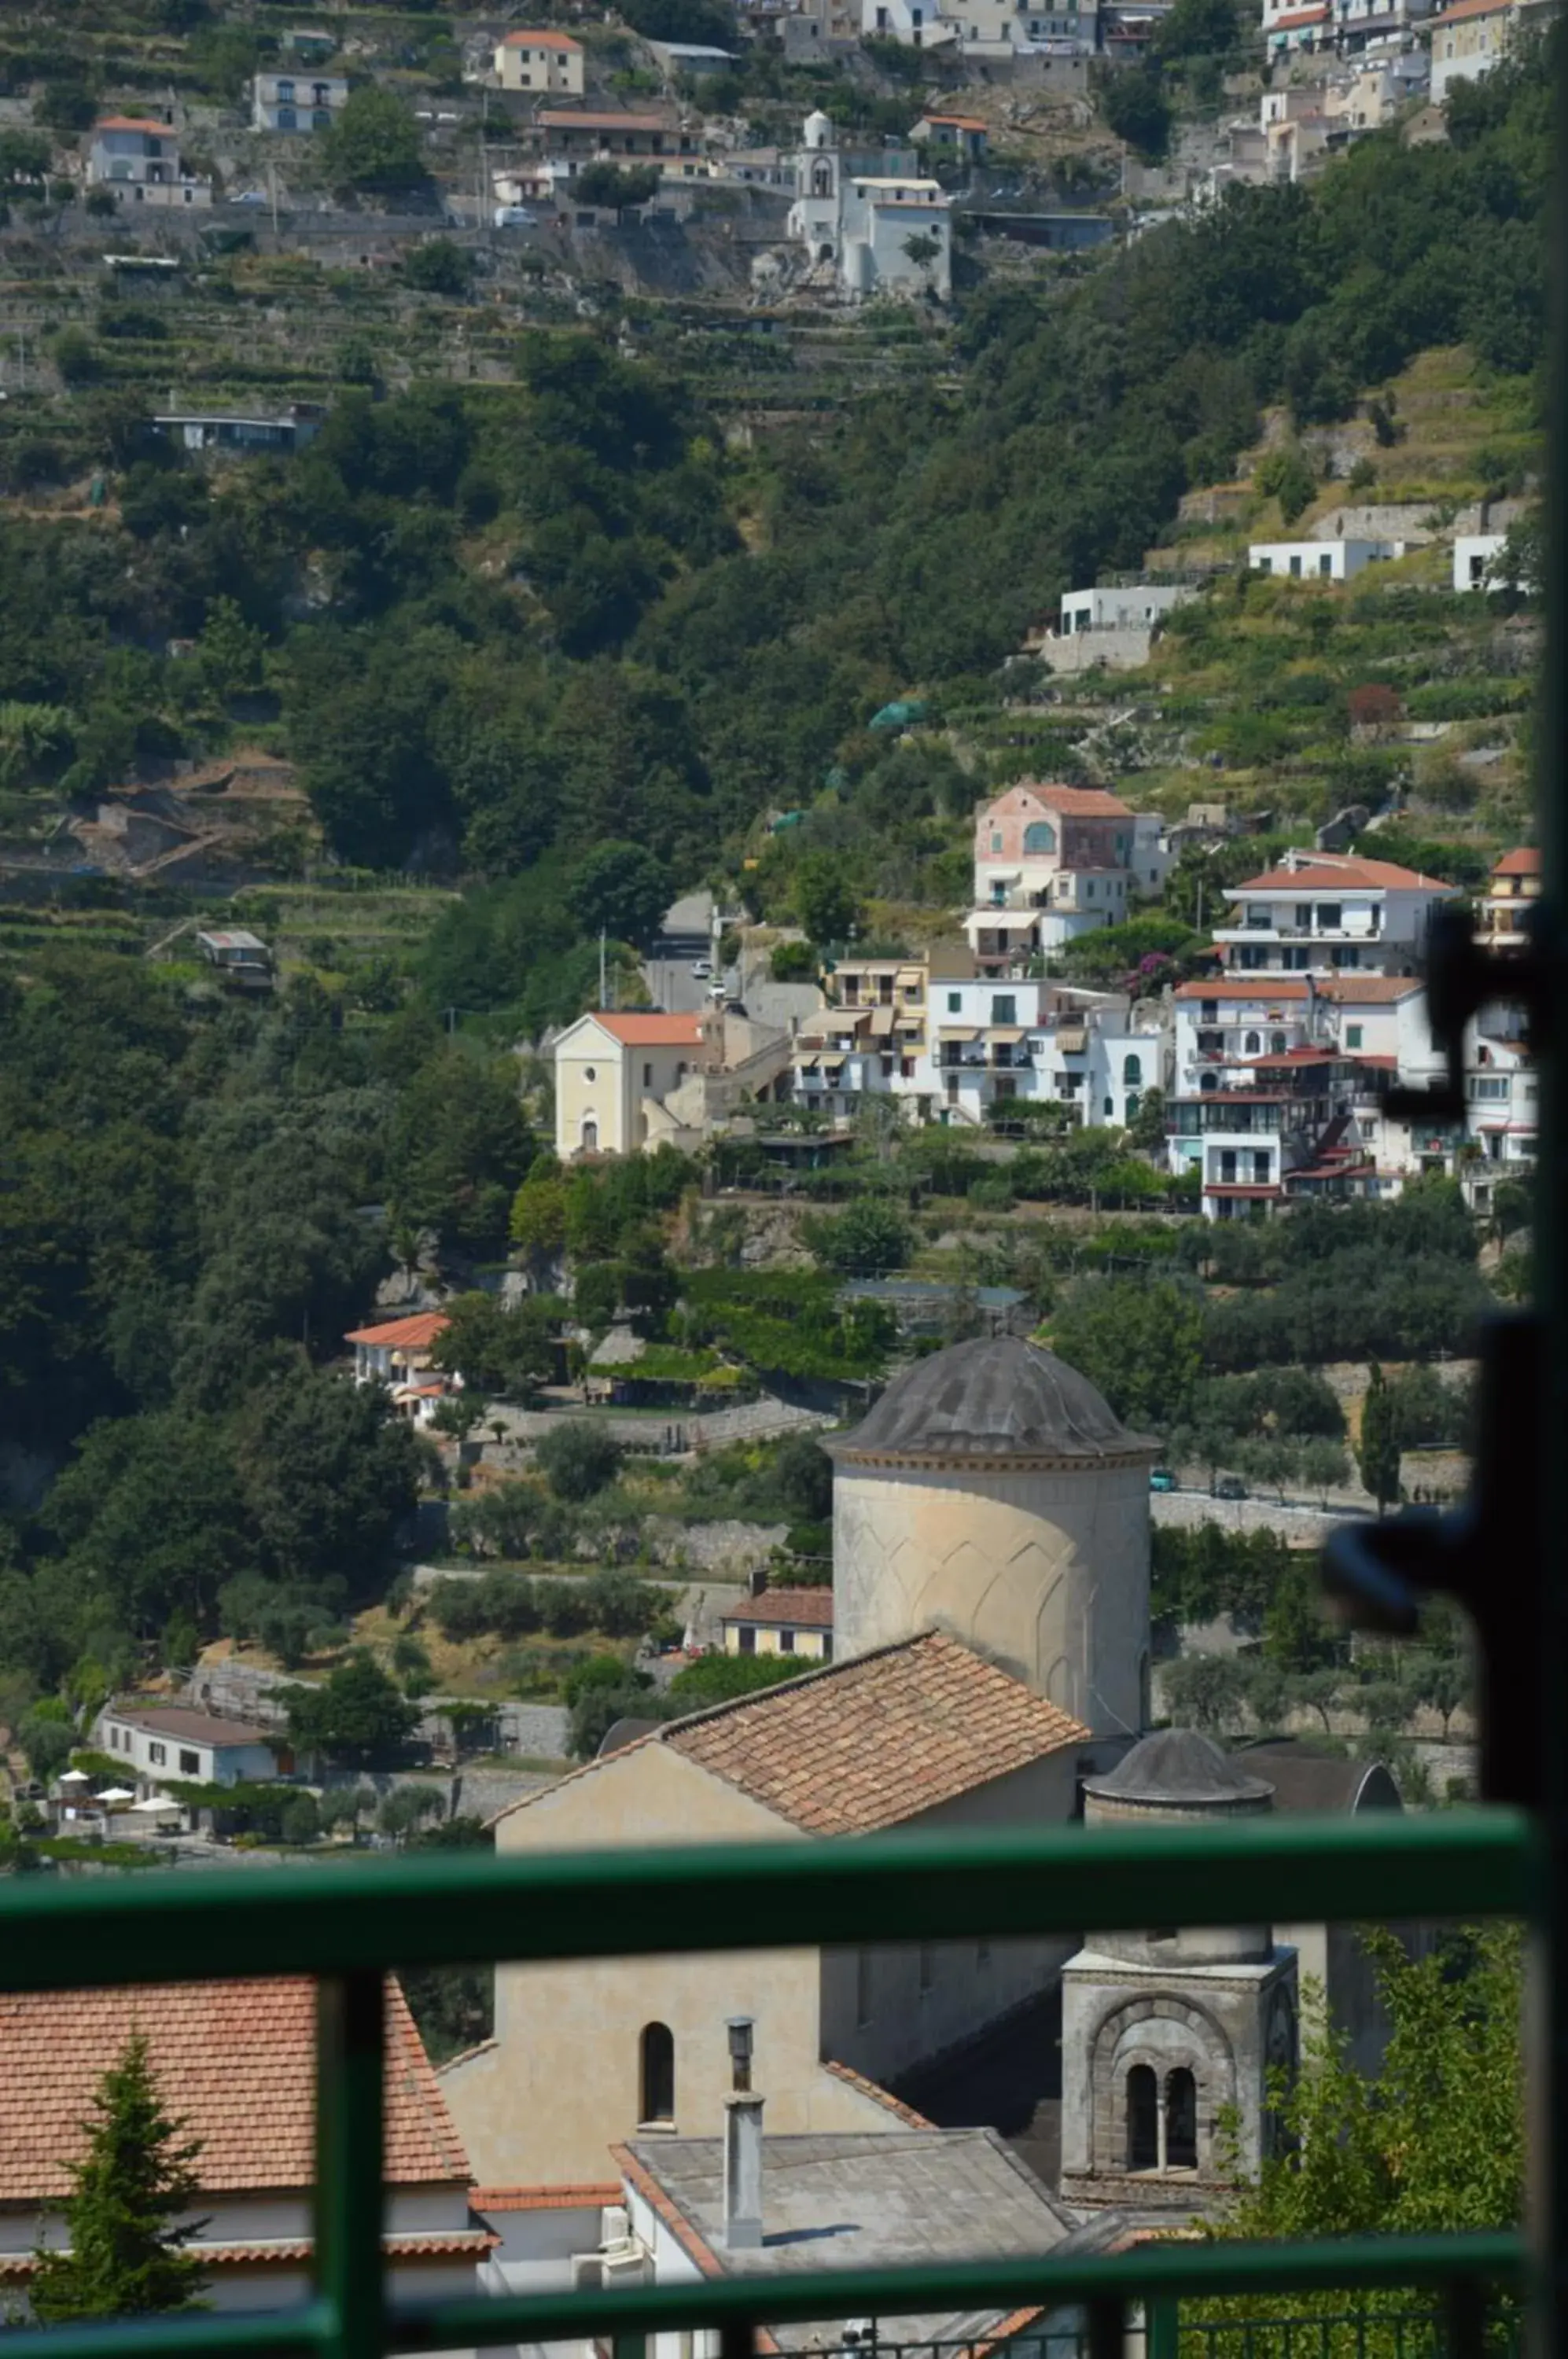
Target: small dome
[(996, 1397), (1178, 1769), (818, 129)]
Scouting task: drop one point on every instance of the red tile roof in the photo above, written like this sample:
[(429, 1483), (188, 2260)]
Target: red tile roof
[(133, 123), (569, 2196), (879, 2096), (652, 1029), (863, 1744), (1082, 803), (1368, 990), (563, 41), (1257, 986), (289, 2252), (877, 1739), (415, 1334), (1324, 875), (1468, 8), (806, 1609), (236, 2064), (1296, 18), (562, 117), (1523, 861), (958, 122), (185, 1725)]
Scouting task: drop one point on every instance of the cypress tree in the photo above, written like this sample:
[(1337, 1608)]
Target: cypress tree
[(1378, 1452), (126, 2211)]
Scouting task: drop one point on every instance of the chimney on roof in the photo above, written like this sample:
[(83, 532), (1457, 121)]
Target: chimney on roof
[(742, 2145)]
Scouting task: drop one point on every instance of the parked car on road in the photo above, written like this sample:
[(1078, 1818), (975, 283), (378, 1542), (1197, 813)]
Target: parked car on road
[(1161, 1478), (515, 217), (1228, 1486), (701, 970)]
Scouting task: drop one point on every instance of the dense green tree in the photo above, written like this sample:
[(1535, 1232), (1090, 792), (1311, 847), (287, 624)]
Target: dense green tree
[(1142, 1345), (1378, 1444), (577, 1459), (459, 1145), (717, 1678), (497, 1350), (328, 1474), (1374, 2154), (152, 1514), (374, 143), (825, 899), (358, 1716), (622, 890), (127, 2217), (868, 1239)]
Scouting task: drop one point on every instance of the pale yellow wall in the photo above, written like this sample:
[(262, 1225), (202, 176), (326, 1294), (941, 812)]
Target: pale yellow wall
[(811, 1645), (551, 70), (1045, 1573), (919, 2007), (581, 1050), (559, 2086)]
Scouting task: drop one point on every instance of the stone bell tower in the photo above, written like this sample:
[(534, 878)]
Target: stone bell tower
[(1164, 2030)]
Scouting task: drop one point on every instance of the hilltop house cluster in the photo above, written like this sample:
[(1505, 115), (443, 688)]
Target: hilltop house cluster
[(1273, 1071)]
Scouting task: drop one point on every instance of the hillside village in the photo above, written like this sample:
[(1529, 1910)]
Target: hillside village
[(748, 756)]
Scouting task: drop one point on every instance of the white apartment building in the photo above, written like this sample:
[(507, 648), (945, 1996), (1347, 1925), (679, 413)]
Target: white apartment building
[(138, 160), (1475, 553), (1320, 560), (1326, 913), (1281, 1086), (297, 102), (952, 1045)]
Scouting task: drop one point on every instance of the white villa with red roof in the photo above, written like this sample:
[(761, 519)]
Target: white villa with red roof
[(397, 1352), (1327, 913), (137, 160)]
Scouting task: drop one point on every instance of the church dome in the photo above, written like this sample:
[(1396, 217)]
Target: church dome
[(1177, 1769), (999, 1398)]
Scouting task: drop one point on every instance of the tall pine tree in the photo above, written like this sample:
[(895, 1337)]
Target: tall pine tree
[(127, 2211), (1379, 1448)]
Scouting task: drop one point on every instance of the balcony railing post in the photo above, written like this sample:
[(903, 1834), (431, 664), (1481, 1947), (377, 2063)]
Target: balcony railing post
[(1162, 2329), (350, 2061)]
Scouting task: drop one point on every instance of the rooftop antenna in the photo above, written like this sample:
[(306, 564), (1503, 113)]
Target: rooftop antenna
[(602, 1001)]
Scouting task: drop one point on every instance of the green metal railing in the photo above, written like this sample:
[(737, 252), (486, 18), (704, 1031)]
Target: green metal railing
[(347, 1926)]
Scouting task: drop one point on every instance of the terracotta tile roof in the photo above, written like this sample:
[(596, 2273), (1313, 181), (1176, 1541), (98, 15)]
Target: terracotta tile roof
[(236, 2061), (882, 1737), (561, 118), (958, 122), (874, 2090), (1368, 990), (1468, 8), (863, 1744), (1295, 19), (1082, 803), (570, 2196), (805, 1609), (415, 2244), (653, 1030), (133, 123), (1256, 986), (1523, 861), (188, 1726), (416, 1333), (1322, 875), (563, 41)]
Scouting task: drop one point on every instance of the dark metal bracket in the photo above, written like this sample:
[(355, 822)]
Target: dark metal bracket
[(1488, 1554)]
